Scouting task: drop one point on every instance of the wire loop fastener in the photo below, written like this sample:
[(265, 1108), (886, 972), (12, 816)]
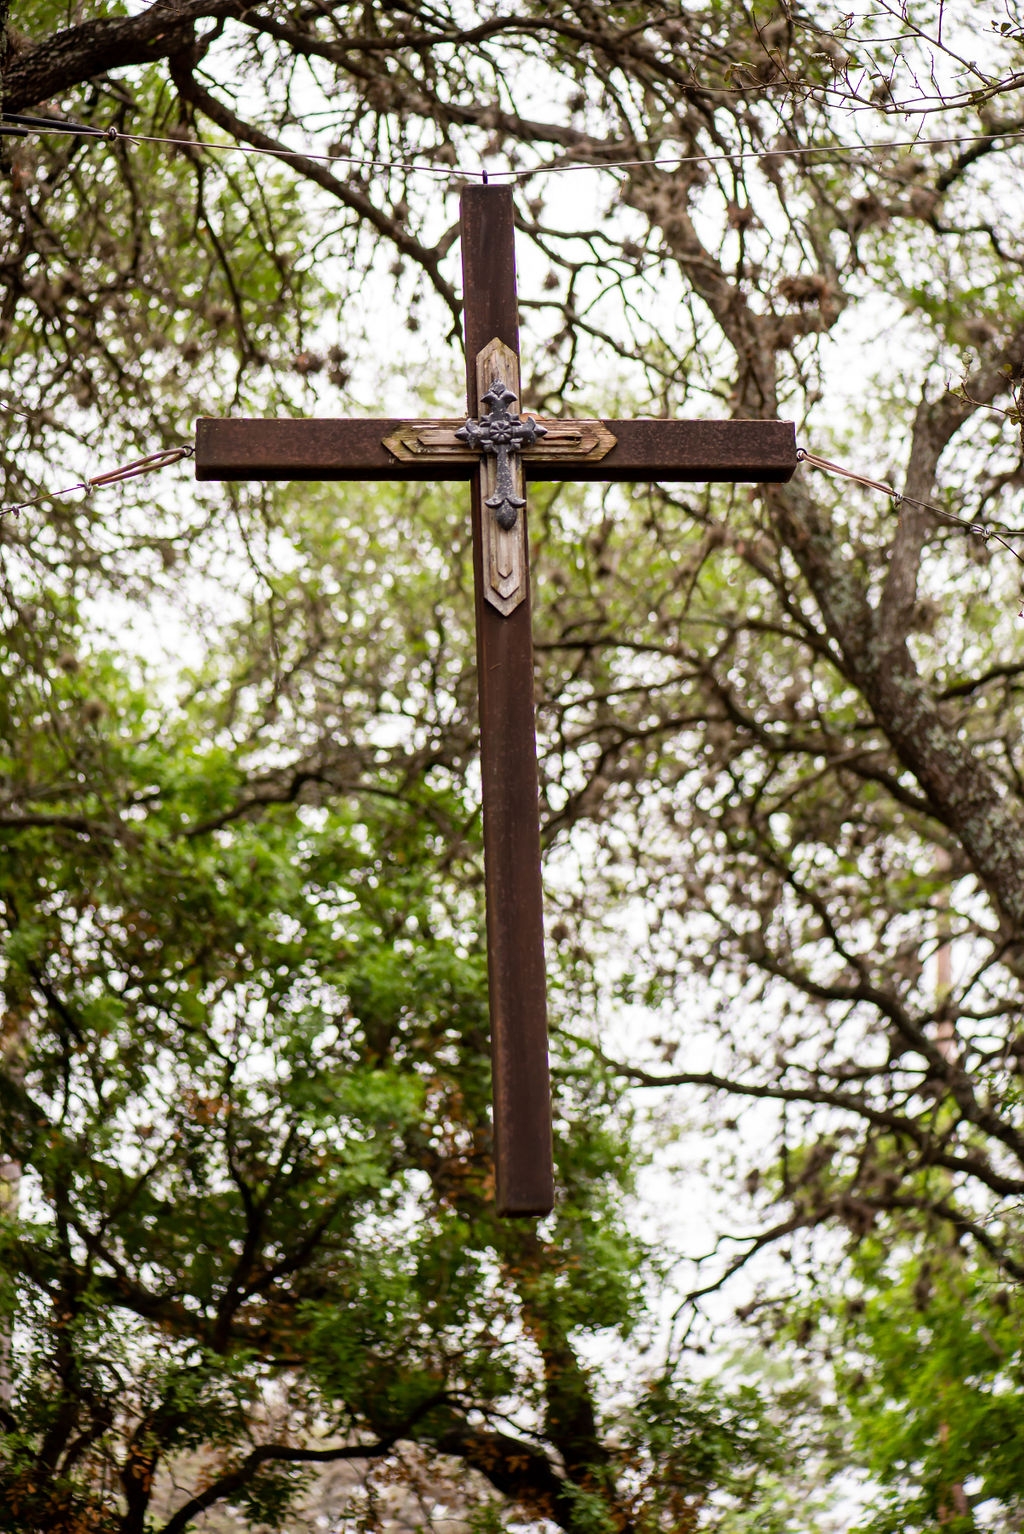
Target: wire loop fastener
[(803, 456), (899, 500), (147, 465)]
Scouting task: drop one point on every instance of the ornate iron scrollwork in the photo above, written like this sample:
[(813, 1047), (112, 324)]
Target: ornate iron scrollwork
[(502, 432)]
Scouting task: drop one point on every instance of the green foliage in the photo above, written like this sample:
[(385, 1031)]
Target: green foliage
[(247, 1089), (245, 1043), (718, 1449), (932, 1378)]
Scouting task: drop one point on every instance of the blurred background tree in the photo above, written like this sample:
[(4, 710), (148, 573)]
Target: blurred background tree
[(244, 1121)]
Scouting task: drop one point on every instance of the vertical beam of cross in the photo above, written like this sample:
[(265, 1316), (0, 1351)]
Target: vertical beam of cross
[(642, 450), (508, 749)]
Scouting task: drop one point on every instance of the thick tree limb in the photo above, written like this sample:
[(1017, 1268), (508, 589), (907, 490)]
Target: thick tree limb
[(265, 1454), (71, 57), (959, 786), (935, 424), (515, 1468)]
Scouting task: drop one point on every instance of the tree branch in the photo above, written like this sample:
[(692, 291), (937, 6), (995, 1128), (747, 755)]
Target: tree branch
[(80, 53), (895, 1123), (935, 423), (392, 228), (226, 1485)]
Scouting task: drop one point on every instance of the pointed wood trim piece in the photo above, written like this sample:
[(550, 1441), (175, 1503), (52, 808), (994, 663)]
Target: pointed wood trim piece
[(506, 557), (565, 442)]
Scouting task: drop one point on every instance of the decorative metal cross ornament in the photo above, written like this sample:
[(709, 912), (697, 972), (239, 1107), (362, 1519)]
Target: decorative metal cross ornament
[(502, 434), (499, 453)]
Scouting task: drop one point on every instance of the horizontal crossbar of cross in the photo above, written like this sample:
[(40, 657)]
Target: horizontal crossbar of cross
[(669, 452)]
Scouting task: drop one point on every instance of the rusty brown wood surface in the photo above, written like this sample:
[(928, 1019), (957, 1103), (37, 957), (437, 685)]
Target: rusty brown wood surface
[(302, 449), (515, 922), (668, 451), (680, 452)]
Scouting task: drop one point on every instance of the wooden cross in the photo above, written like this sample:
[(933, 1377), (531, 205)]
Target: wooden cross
[(498, 453)]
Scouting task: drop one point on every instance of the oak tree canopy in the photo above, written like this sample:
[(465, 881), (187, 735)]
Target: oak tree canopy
[(243, 1110)]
